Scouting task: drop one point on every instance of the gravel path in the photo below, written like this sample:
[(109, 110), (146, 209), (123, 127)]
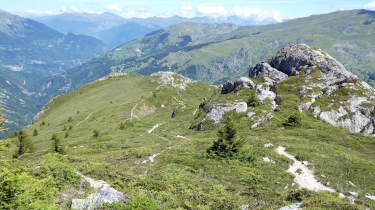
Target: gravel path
[(305, 177)]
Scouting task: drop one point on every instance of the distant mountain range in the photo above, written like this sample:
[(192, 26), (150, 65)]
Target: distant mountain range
[(211, 53), (114, 30), (217, 52), (30, 53)]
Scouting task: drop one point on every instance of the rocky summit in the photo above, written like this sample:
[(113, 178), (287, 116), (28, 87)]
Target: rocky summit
[(324, 86)]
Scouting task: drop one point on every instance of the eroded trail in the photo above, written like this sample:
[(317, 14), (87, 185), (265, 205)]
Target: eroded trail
[(85, 119), (305, 176)]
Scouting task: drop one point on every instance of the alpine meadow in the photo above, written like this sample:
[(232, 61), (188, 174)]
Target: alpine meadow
[(186, 113)]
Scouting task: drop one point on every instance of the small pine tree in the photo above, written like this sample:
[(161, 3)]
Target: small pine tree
[(66, 135), (42, 123), (229, 141), (35, 132), (253, 100), (95, 133), (70, 119), (122, 126), (294, 120), (2, 120), (64, 128), (25, 144), (57, 147), (70, 127)]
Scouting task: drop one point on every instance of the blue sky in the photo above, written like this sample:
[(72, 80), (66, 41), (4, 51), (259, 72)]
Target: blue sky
[(247, 9)]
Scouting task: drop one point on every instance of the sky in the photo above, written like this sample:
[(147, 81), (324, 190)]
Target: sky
[(277, 10)]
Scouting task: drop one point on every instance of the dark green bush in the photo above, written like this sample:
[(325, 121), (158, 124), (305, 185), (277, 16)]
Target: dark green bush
[(294, 120)]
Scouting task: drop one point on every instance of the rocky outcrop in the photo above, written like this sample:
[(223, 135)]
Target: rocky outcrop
[(269, 74), (104, 195), (217, 112), (231, 86), (296, 58), (170, 78), (325, 78), (296, 206)]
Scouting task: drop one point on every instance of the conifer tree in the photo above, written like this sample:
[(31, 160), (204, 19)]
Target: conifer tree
[(25, 144), (229, 141), (57, 147), (2, 120), (35, 132), (253, 100)]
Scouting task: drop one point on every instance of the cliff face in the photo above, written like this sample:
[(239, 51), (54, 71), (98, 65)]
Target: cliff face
[(325, 87)]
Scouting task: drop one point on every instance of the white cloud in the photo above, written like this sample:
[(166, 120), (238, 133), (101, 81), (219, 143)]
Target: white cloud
[(63, 9), (212, 11), (40, 13), (370, 6), (130, 14), (184, 11), (94, 12), (74, 9), (146, 15), (143, 9), (115, 8), (256, 14)]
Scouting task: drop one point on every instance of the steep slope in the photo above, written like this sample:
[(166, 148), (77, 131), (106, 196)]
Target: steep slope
[(227, 51), (132, 131), (30, 52)]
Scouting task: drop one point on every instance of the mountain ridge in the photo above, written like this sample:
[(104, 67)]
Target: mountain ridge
[(31, 53), (138, 139)]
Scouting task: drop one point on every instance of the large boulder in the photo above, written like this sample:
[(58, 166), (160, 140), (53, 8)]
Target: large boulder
[(227, 87), (217, 112), (268, 73), (230, 86), (104, 195)]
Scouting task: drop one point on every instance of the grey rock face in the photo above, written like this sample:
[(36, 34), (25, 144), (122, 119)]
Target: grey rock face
[(245, 82), (227, 87), (174, 113), (324, 78), (231, 86), (269, 73), (105, 195), (291, 60), (295, 206), (216, 113), (250, 114), (263, 93)]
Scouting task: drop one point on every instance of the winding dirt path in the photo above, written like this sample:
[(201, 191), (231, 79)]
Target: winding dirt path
[(85, 119), (305, 177)]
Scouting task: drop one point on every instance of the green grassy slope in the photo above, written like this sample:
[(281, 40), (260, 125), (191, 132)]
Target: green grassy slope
[(182, 176)]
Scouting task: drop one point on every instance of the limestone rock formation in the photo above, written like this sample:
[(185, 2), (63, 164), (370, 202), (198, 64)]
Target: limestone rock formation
[(330, 92), (269, 74), (104, 195), (231, 86), (217, 112)]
